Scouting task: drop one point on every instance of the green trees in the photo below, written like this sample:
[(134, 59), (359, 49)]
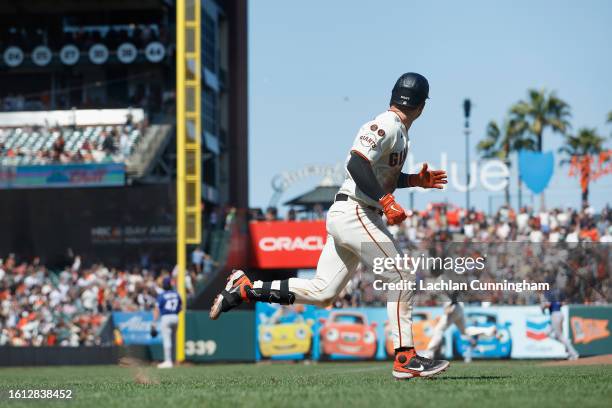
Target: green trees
[(524, 129), (540, 111)]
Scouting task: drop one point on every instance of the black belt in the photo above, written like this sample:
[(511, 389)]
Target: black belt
[(344, 197)]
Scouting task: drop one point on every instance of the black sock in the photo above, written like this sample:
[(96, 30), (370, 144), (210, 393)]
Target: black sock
[(402, 349), (267, 294)]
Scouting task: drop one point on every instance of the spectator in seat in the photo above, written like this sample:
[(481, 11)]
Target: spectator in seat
[(271, 214), (319, 213), (197, 259), (124, 144), (209, 264), (291, 215), (57, 149), (108, 144)]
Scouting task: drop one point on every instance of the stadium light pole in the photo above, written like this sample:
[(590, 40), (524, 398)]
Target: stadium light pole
[(467, 107)]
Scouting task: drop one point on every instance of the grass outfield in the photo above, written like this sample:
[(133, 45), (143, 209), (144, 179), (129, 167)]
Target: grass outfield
[(498, 384)]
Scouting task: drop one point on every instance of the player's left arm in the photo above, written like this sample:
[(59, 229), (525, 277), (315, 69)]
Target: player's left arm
[(544, 303), (153, 329), (425, 179)]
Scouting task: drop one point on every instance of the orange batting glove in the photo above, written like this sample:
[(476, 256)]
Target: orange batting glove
[(428, 178), (393, 211)]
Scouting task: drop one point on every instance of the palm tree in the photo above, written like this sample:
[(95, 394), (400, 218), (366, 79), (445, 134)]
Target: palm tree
[(579, 151), (542, 110), (500, 142)]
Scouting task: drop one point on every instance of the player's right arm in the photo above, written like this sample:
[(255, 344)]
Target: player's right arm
[(155, 313), (153, 329), (158, 306), (361, 171), (370, 147)]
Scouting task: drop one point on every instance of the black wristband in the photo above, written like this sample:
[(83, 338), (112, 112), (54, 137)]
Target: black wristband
[(403, 180)]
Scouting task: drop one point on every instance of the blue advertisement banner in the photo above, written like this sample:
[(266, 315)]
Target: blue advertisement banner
[(63, 175), (305, 332), (135, 327), (536, 169)]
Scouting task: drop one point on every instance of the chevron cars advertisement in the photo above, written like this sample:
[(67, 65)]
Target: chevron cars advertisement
[(305, 332), (529, 329)]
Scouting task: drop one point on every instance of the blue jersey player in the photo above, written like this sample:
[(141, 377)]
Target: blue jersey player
[(551, 301), (168, 306)]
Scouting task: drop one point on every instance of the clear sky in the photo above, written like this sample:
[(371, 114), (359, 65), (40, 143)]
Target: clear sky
[(319, 69)]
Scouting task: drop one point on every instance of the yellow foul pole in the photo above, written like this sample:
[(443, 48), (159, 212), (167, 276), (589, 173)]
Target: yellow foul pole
[(188, 148)]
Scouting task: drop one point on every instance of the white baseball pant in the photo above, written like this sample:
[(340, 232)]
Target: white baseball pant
[(556, 332), (356, 234), (453, 314), (167, 327)]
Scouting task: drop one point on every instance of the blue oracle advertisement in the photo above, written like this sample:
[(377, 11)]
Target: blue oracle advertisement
[(135, 327), (307, 332)]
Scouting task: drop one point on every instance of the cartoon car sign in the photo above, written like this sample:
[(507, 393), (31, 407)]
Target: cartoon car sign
[(347, 334), (422, 331), (286, 339), (495, 343)]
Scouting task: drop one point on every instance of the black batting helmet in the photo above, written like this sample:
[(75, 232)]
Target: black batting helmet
[(411, 89)]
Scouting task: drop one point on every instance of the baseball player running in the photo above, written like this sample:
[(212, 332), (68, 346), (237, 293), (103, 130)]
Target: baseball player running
[(453, 314), (553, 305), (168, 306), (356, 231)]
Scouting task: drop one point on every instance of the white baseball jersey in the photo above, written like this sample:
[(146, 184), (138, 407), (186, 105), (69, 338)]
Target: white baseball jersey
[(357, 233), (384, 143)]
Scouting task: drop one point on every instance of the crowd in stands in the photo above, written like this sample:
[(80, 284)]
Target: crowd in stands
[(72, 144), (558, 246), (271, 214), (70, 307), (446, 223), (40, 307), (526, 245)]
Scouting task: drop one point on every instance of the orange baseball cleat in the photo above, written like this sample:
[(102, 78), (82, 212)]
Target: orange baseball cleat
[(409, 364), (233, 295)]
